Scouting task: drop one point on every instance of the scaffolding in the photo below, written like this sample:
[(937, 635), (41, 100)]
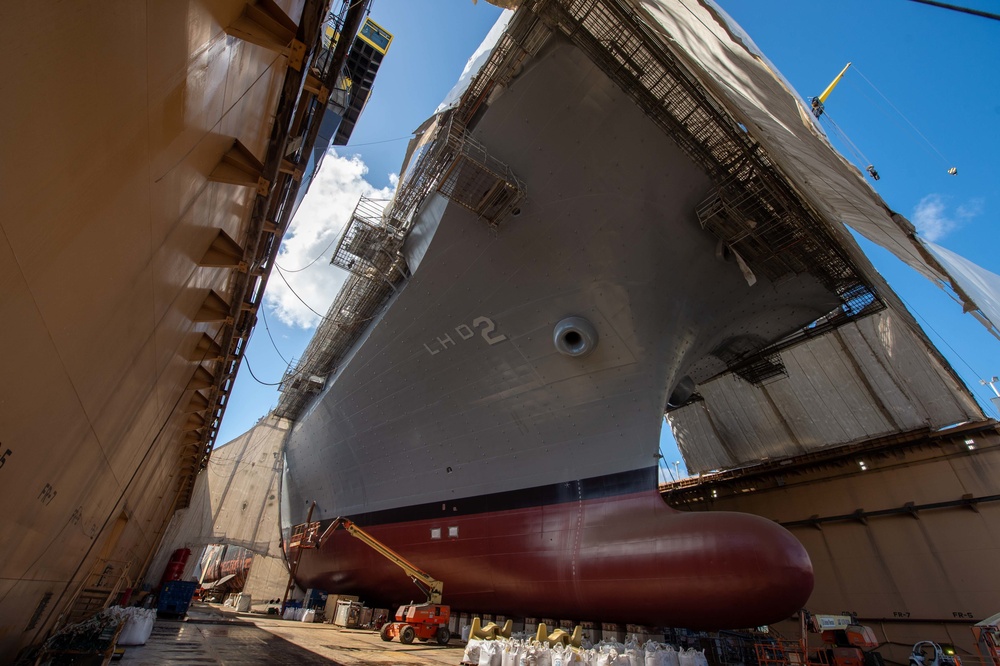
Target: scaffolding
[(452, 163), (357, 303), (753, 209), (369, 247), (478, 181)]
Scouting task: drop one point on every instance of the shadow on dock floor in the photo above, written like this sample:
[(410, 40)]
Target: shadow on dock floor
[(213, 635), (190, 643)]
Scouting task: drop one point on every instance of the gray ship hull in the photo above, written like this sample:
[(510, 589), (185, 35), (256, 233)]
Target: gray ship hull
[(458, 390), (457, 400)]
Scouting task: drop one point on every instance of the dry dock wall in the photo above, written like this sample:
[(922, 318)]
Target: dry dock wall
[(235, 502), (122, 111), (909, 541)]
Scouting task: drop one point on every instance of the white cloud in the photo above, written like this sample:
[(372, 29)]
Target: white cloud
[(971, 209), (313, 233), (933, 220)]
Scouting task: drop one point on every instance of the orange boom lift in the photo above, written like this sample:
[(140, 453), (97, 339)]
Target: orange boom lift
[(422, 621)]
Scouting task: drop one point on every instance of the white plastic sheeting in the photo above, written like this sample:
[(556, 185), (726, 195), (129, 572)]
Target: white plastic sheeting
[(235, 499), (476, 62), (731, 66), (870, 378), (981, 285)]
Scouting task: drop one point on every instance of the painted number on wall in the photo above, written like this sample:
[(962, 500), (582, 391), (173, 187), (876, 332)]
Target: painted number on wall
[(3, 456), (483, 325), (47, 494)]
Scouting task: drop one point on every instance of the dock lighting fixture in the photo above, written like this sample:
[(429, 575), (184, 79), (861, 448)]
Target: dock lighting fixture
[(861, 463), (971, 443)]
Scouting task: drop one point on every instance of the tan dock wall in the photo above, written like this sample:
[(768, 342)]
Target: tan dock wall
[(123, 109), (911, 574)]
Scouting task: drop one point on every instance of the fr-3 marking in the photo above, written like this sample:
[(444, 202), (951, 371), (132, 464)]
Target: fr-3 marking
[(484, 325)]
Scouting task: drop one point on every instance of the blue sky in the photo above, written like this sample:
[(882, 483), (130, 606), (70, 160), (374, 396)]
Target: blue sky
[(937, 67)]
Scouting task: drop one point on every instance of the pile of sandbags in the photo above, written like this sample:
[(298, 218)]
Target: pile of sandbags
[(530, 652), (295, 614)]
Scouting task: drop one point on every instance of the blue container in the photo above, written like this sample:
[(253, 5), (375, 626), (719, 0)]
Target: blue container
[(175, 597)]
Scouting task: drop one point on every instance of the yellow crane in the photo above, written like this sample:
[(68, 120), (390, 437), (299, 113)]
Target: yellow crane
[(817, 102)]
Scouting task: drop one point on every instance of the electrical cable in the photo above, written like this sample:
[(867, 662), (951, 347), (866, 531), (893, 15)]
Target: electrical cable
[(912, 126), (294, 293), (374, 143), (247, 361), (318, 257), (956, 8), (940, 337), (846, 139), (270, 337)]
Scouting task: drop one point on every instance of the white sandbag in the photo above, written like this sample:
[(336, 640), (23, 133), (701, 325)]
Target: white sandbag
[(486, 651), (699, 658), (652, 654), (609, 644), (543, 655), (633, 654), (507, 656), (309, 615), (471, 654), (606, 657), (670, 656), (557, 655), (685, 657), (510, 653), (535, 654), (489, 653), (138, 626)]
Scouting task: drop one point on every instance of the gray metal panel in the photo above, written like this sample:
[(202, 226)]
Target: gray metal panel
[(866, 379)]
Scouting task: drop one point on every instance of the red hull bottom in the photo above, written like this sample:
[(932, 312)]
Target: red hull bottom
[(628, 558)]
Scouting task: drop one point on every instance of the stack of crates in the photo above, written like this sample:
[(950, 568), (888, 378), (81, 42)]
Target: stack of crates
[(175, 598)]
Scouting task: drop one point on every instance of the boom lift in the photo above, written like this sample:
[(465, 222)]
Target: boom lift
[(987, 635), (423, 621), (847, 643)]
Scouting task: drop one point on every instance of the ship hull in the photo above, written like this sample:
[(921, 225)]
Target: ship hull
[(457, 390), (624, 557)]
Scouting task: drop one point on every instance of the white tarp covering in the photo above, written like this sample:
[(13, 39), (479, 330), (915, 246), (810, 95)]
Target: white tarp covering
[(982, 286), (733, 69), (235, 499), (476, 62), (869, 378)]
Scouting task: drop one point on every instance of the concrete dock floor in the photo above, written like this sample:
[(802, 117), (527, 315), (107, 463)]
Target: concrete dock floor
[(212, 636)]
